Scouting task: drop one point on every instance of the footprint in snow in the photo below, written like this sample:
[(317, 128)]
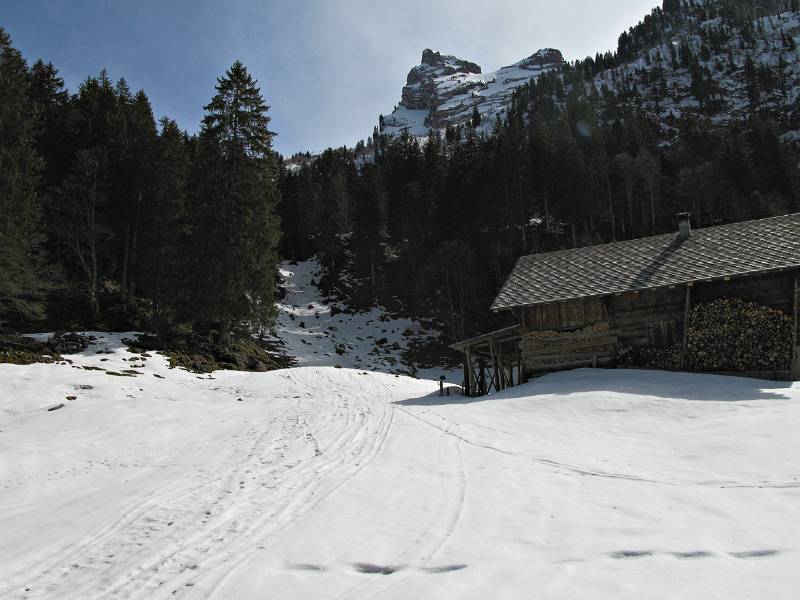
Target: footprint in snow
[(694, 554), (444, 569), (623, 554), (755, 554), (307, 567), (371, 569)]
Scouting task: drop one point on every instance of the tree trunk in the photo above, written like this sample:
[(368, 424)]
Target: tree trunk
[(372, 268), (132, 274), (225, 339), (652, 209), (132, 268), (611, 211), (123, 286), (629, 197), (546, 216)]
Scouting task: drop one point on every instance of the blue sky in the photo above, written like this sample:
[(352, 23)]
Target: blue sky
[(327, 68)]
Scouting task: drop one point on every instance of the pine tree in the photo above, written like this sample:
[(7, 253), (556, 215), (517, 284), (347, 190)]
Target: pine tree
[(332, 205), (751, 80), (21, 279), (52, 102), (368, 228), (83, 198), (476, 117), (136, 151), (164, 253), (235, 229), (83, 216)]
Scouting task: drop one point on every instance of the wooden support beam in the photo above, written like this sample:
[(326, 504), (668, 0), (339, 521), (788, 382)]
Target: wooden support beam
[(687, 308), (502, 370), (495, 367), (467, 387), (472, 390)]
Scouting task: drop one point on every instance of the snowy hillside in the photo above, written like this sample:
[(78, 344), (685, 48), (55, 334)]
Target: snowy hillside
[(717, 67), (325, 334), (667, 85), (332, 483), (444, 90)]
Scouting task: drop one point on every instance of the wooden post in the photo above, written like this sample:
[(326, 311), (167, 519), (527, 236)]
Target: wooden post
[(495, 366), (467, 386), (687, 308), (472, 390), (501, 369), (482, 375)]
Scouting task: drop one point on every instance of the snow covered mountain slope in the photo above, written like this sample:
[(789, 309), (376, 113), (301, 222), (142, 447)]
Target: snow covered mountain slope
[(720, 70), (333, 483), (444, 90), (696, 59), (320, 334)]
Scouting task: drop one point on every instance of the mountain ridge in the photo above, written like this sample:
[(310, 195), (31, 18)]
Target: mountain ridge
[(720, 59), (445, 90)]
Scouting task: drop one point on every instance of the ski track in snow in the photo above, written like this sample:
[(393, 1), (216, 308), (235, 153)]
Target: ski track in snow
[(318, 482)]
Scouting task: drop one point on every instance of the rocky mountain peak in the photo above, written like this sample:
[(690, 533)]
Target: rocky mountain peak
[(544, 57), (436, 59), (429, 57), (444, 90), (436, 64)]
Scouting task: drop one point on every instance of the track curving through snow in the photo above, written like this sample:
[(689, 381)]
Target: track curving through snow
[(333, 483)]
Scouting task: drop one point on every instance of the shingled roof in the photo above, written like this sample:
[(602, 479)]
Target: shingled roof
[(711, 253)]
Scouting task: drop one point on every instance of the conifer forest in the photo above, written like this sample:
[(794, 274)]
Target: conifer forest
[(111, 218)]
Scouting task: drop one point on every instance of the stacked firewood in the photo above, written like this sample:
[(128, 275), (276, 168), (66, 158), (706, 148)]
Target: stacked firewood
[(661, 358), (536, 341), (733, 335)]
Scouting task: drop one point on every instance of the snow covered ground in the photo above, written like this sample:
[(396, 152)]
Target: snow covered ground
[(319, 482), (317, 336)]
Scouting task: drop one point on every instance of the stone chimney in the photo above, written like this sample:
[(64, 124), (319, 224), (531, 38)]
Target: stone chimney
[(684, 225)]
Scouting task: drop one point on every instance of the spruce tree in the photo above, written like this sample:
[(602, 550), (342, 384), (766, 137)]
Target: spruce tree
[(235, 230), (163, 252), (333, 204), (369, 224), (84, 218), (52, 102), (83, 197), (21, 281), (136, 151), (476, 117)]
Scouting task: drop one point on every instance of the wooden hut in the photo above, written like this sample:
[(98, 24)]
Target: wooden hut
[(596, 306)]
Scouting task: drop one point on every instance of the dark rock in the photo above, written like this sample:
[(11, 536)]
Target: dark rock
[(68, 343), (257, 366)]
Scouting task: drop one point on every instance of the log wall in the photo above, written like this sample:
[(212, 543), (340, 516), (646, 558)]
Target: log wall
[(649, 317), (655, 318), (560, 316)]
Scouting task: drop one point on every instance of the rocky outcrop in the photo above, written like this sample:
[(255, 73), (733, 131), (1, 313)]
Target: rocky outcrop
[(420, 91), (445, 90), (545, 58)]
